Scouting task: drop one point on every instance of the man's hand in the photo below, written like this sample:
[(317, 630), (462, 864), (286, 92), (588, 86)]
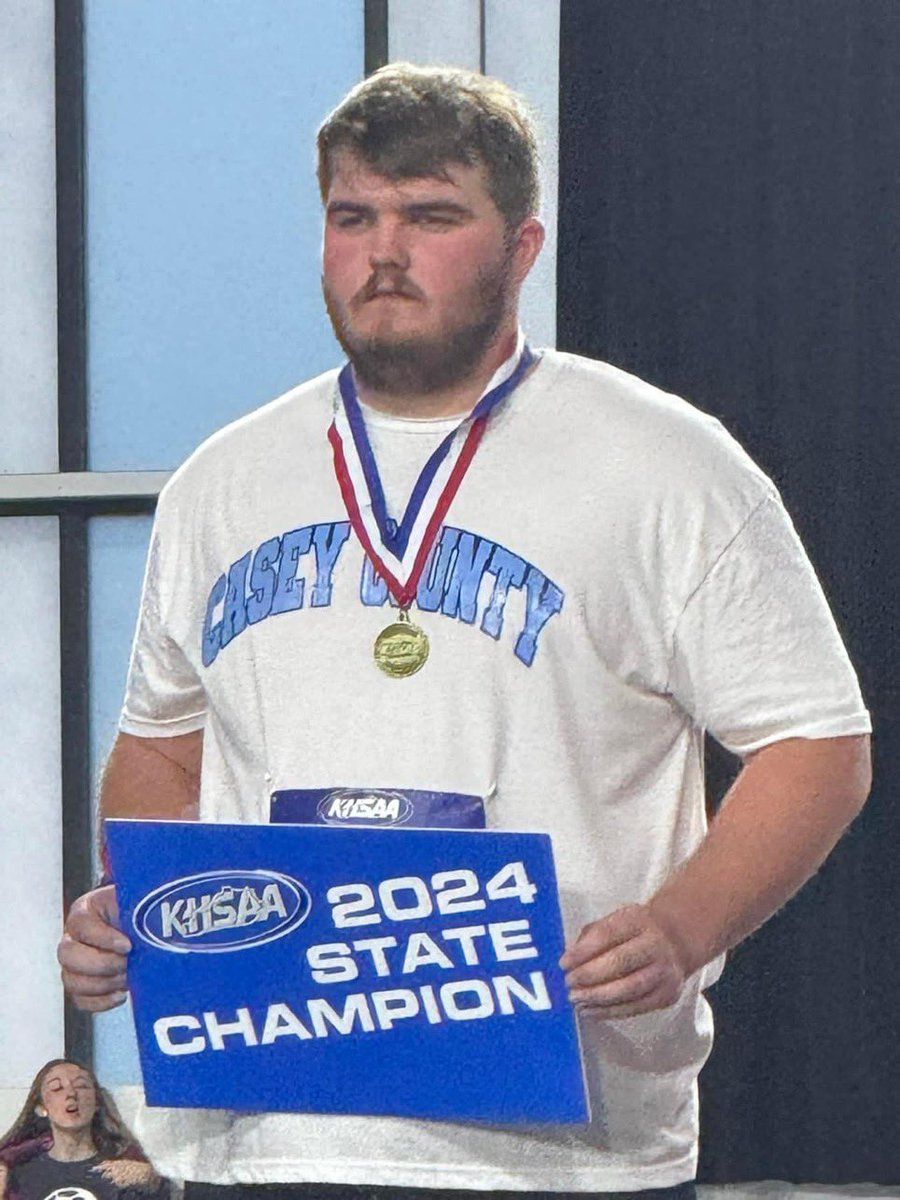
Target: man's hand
[(92, 952), (784, 813), (155, 778), (624, 964)]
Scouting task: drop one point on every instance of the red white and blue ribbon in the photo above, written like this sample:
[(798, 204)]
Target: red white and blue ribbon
[(399, 551)]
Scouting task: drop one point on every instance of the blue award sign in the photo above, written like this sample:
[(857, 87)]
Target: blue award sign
[(410, 972)]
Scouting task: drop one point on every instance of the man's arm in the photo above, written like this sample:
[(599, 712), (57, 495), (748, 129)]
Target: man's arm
[(156, 778), (785, 812), (144, 778)]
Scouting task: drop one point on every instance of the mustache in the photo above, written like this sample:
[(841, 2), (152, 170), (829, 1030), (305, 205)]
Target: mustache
[(390, 282)]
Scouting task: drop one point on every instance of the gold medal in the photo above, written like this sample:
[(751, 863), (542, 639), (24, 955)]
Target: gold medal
[(402, 648)]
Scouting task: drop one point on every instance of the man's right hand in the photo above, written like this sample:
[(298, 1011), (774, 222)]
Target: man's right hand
[(92, 952), (157, 778)]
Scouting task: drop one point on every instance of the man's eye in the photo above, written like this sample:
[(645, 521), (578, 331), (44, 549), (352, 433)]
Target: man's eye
[(348, 220), (436, 220)]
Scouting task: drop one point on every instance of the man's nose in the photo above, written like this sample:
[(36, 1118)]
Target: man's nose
[(389, 247)]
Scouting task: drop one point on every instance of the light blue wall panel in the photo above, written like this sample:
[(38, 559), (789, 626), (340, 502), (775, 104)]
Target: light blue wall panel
[(203, 265), (117, 547), (203, 216)]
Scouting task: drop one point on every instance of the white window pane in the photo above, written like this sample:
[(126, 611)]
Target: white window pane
[(27, 237), (435, 31), (31, 1003)]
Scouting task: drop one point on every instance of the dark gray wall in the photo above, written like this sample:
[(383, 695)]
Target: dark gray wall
[(729, 230)]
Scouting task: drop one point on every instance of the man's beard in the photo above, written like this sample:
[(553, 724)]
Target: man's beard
[(422, 364)]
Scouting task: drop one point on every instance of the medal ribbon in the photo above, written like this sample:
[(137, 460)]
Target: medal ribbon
[(396, 539)]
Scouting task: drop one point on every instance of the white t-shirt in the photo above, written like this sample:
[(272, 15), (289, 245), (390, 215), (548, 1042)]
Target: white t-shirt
[(613, 578)]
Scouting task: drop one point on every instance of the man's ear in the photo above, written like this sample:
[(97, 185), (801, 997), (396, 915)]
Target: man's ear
[(529, 239)]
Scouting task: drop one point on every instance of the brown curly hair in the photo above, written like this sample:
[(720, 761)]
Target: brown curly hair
[(408, 122)]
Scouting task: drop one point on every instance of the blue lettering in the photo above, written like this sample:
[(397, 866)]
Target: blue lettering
[(461, 594), (372, 588), (210, 642), (329, 541), (542, 600), (509, 569), (451, 583), (430, 591), (234, 616), (289, 589), (263, 578)]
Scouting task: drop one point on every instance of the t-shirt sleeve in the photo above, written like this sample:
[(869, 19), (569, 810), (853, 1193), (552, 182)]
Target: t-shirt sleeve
[(757, 656), (164, 696)]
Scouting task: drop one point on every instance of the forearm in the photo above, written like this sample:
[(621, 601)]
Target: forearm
[(784, 814), (156, 778), (150, 779), (144, 778)]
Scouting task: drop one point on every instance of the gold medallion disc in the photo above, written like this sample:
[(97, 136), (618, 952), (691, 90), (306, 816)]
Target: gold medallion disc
[(402, 648)]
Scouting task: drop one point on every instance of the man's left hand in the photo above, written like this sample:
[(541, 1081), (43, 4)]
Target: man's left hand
[(625, 964)]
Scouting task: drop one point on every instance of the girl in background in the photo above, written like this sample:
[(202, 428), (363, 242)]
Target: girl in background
[(69, 1141)]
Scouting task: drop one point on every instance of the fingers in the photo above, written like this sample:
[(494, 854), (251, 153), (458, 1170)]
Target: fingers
[(92, 952), (662, 996), (93, 920), (95, 980), (603, 935), (95, 1004), (623, 960), (619, 990), (644, 991), (623, 965), (92, 992)]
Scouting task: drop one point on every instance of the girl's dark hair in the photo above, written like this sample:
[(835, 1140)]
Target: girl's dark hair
[(110, 1134), (409, 122)]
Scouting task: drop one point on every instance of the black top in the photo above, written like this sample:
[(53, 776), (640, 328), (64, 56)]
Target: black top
[(45, 1178)]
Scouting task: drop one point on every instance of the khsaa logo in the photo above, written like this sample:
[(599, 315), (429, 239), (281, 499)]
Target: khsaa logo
[(221, 910), (357, 806)]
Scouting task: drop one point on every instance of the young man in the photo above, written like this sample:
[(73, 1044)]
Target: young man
[(595, 574)]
